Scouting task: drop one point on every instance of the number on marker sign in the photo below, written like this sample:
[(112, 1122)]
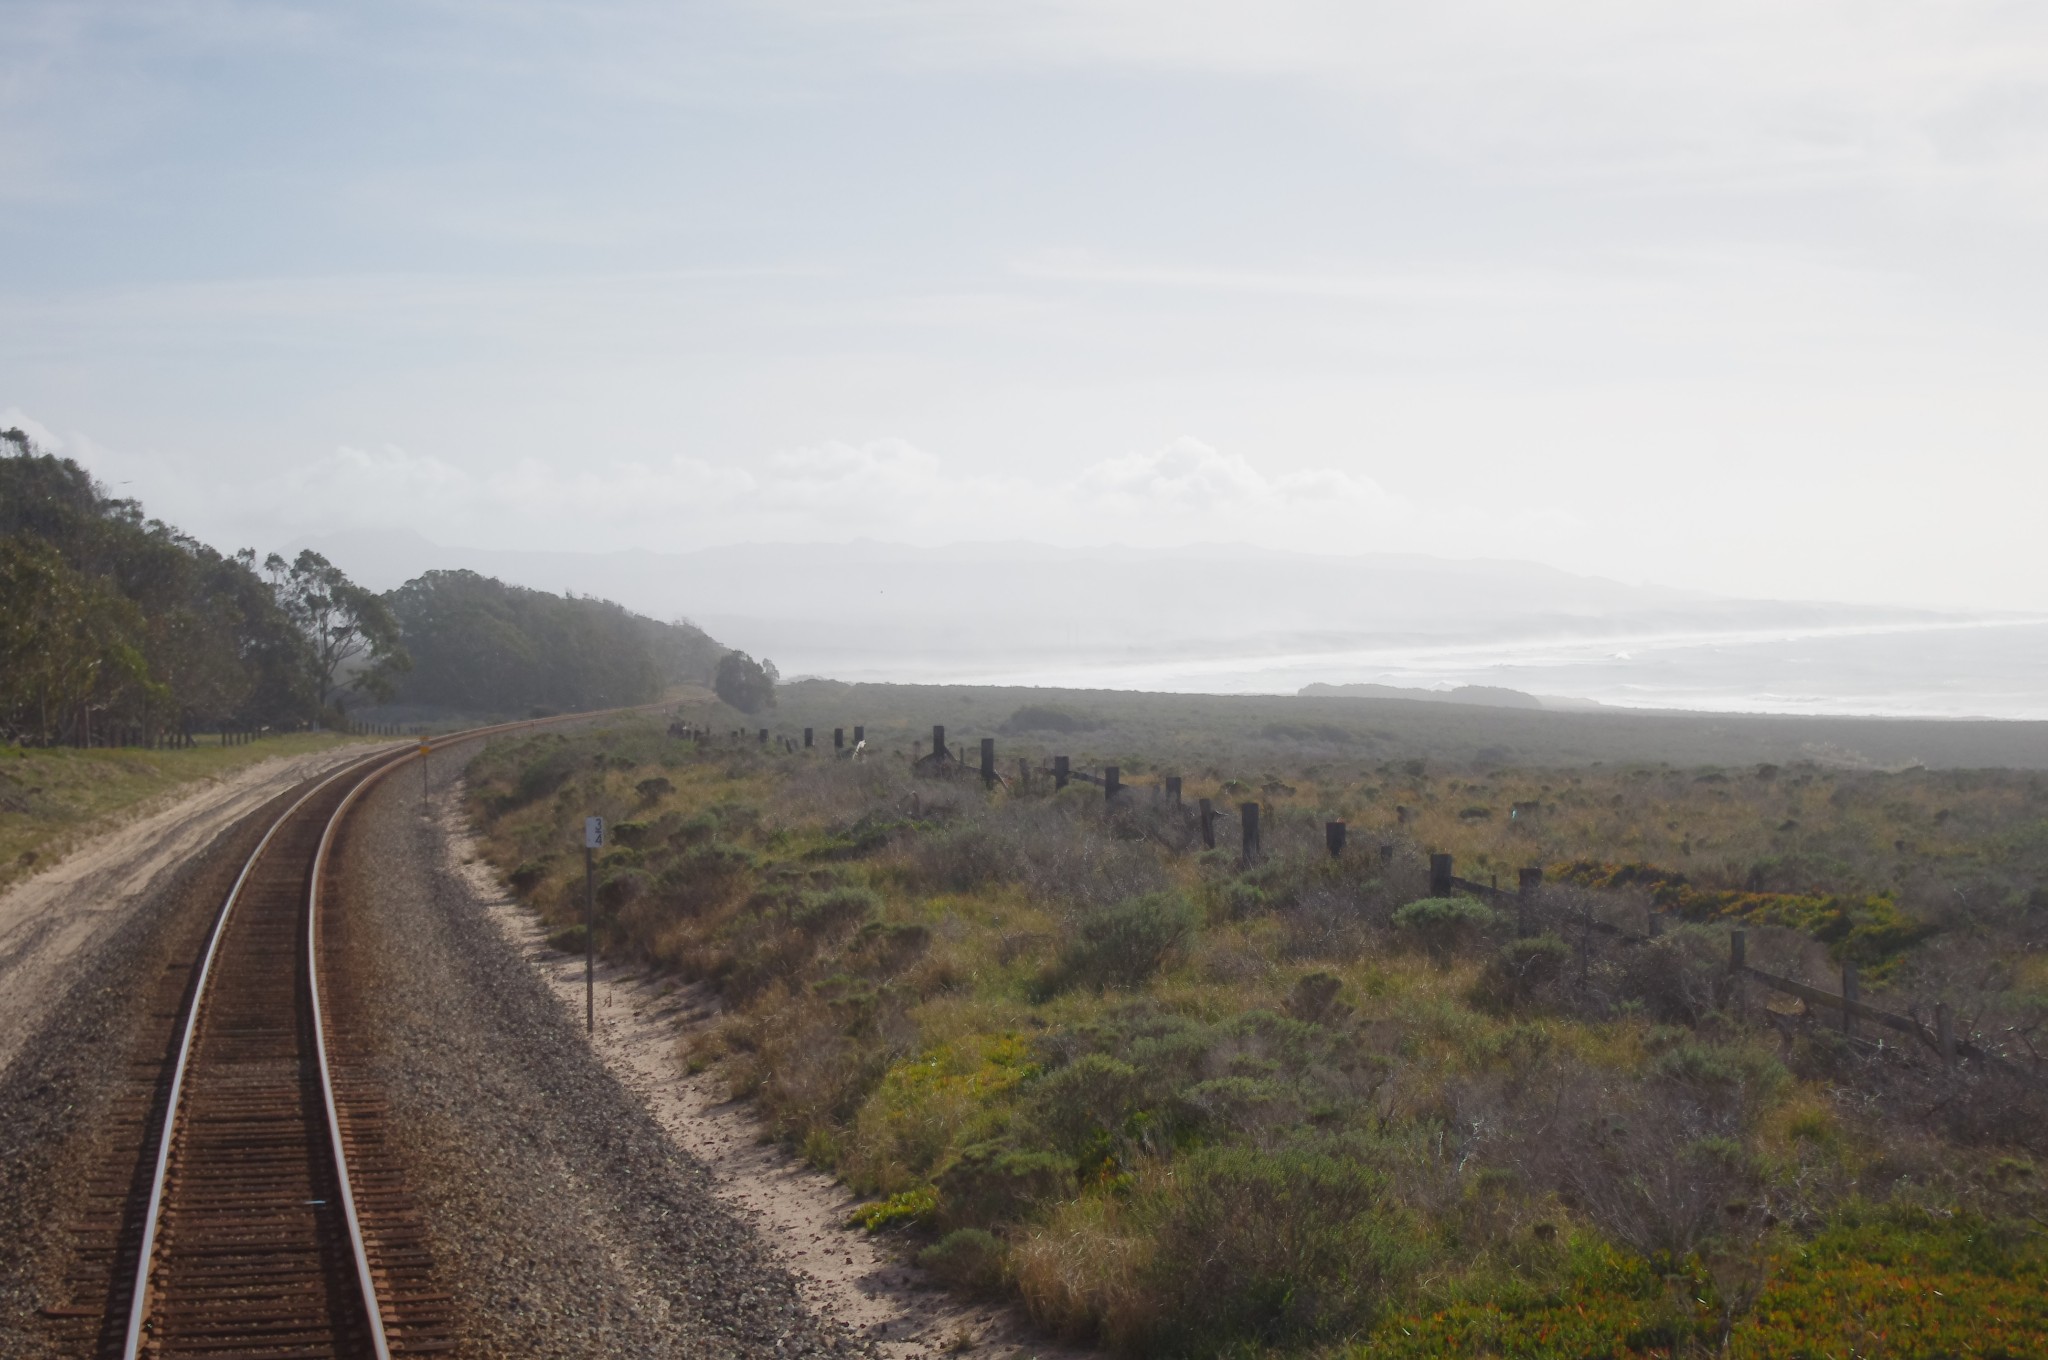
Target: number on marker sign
[(593, 833)]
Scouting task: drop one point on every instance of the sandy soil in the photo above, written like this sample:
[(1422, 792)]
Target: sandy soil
[(799, 1213), (53, 918)]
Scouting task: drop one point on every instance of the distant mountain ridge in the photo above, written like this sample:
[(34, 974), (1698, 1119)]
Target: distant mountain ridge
[(1145, 599), (1488, 696), (1225, 617)]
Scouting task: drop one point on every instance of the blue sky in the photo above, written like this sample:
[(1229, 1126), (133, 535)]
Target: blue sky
[(1743, 297)]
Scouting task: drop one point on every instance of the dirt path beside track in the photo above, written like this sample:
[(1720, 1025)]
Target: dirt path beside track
[(50, 921)]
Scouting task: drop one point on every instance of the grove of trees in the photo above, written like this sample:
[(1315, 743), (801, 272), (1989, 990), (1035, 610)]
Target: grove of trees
[(748, 685), (115, 623), (112, 620), (480, 646)]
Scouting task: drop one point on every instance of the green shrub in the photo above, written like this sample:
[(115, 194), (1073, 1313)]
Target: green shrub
[(966, 858), (886, 949), (654, 789), (996, 1183), (966, 1258), (1290, 1247), (543, 776), (1444, 925), (697, 830), (1125, 944), (1521, 973), (706, 876), (1242, 900), (1314, 999), (1719, 1069), (1083, 1105), (826, 912), (1679, 978), (621, 886)]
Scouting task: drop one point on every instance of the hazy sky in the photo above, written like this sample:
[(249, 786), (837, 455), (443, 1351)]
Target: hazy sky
[(1743, 296)]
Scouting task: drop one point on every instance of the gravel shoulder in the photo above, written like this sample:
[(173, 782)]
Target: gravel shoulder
[(565, 1222)]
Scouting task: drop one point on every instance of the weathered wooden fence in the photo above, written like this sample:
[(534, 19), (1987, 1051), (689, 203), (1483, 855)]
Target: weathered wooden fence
[(942, 760)]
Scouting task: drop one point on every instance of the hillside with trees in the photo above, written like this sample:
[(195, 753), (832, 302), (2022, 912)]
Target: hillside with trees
[(112, 620), (116, 628), (481, 646)]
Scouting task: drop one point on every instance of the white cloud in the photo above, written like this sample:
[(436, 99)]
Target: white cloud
[(1187, 482), (887, 489), (1737, 93)]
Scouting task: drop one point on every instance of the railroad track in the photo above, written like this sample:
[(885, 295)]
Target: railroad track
[(262, 1234), (263, 1218)]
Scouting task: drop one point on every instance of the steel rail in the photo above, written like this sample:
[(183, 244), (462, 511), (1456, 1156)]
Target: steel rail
[(378, 1342), (357, 1245), (138, 1306), (138, 1310)]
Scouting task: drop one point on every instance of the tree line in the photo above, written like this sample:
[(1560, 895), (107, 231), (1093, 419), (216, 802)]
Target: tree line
[(480, 646), (112, 622)]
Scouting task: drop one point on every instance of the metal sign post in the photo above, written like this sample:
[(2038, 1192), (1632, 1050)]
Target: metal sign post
[(426, 749), (593, 841)]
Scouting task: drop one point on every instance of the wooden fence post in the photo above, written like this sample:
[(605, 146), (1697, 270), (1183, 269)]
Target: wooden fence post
[(1527, 880), (807, 738), (1208, 815), (1333, 837), (1945, 1032), (1386, 854), (839, 739), (1439, 875), (1851, 991), (988, 762), (1248, 814), (860, 734), (1060, 770), (938, 743), (1023, 774), (1112, 783), (1173, 789)]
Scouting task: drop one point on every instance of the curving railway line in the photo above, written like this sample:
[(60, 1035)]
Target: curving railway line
[(270, 1222)]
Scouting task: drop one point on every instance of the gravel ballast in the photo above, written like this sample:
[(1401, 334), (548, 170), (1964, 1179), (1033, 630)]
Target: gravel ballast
[(564, 1221)]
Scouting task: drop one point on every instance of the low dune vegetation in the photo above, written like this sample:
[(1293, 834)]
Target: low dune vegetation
[(1180, 1105)]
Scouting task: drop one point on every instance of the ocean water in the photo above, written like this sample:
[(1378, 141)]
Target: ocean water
[(1974, 669)]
